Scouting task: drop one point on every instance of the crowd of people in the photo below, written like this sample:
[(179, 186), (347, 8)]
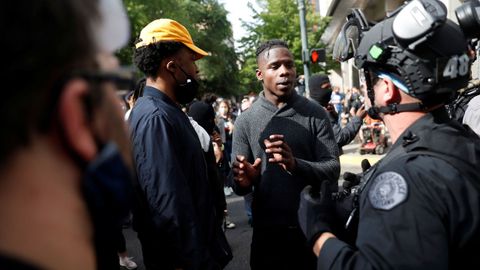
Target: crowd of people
[(74, 166)]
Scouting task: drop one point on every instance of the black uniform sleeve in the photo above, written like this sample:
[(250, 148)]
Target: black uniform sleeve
[(417, 232)]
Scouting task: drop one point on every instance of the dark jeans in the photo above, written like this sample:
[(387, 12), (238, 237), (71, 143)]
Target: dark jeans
[(281, 249)]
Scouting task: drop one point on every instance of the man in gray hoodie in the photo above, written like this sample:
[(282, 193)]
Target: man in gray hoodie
[(283, 143)]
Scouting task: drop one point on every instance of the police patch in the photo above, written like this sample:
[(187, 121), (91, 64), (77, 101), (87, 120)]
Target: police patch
[(388, 190)]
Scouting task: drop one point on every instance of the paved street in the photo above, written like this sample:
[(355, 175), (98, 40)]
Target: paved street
[(239, 238), (351, 159)]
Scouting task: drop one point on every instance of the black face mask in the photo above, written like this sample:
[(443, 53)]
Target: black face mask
[(106, 189), (186, 92)]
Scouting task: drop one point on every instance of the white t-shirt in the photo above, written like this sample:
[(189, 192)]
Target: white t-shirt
[(202, 134), (472, 115)]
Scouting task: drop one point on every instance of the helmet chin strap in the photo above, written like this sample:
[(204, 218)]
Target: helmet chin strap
[(374, 111), (393, 108), (408, 107)]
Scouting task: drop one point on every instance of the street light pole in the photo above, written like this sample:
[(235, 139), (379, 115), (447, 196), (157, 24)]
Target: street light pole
[(305, 53)]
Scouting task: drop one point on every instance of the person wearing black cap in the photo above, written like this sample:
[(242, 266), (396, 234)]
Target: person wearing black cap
[(419, 206), (132, 96), (203, 114), (321, 91)]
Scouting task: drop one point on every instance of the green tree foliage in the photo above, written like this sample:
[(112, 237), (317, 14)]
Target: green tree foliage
[(206, 20), (278, 19)]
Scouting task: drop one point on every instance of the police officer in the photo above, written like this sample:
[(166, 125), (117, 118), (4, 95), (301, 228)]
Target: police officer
[(419, 207)]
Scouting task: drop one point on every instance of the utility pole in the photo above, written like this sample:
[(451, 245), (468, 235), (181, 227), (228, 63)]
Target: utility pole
[(305, 52)]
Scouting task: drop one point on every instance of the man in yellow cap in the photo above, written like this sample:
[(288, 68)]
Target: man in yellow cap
[(175, 217)]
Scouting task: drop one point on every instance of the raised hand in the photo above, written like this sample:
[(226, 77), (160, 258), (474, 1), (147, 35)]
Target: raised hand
[(244, 173), (280, 152)]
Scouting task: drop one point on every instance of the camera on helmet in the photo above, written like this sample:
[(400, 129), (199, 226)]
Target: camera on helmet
[(417, 21), (468, 16)]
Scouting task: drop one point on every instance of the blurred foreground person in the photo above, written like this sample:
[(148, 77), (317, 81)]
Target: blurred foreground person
[(418, 207), (65, 159)]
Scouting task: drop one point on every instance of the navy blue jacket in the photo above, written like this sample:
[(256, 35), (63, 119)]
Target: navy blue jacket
[(176, 207)]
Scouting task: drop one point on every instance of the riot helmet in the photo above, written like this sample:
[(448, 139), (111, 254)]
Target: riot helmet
[(421, 51)]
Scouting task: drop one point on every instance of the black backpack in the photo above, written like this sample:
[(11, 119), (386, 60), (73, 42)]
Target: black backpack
[(456, 109)]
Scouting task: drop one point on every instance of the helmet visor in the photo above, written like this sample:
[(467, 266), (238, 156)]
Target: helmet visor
[(347, 42), (349, 37)]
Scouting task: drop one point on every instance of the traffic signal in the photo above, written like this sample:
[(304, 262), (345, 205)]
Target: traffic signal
[(317, 55)]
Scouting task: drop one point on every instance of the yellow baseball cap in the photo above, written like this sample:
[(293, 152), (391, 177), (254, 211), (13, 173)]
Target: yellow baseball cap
[(168, 30)]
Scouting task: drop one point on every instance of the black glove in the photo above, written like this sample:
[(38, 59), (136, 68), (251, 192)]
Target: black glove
[(352, 179), (316, 212)]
